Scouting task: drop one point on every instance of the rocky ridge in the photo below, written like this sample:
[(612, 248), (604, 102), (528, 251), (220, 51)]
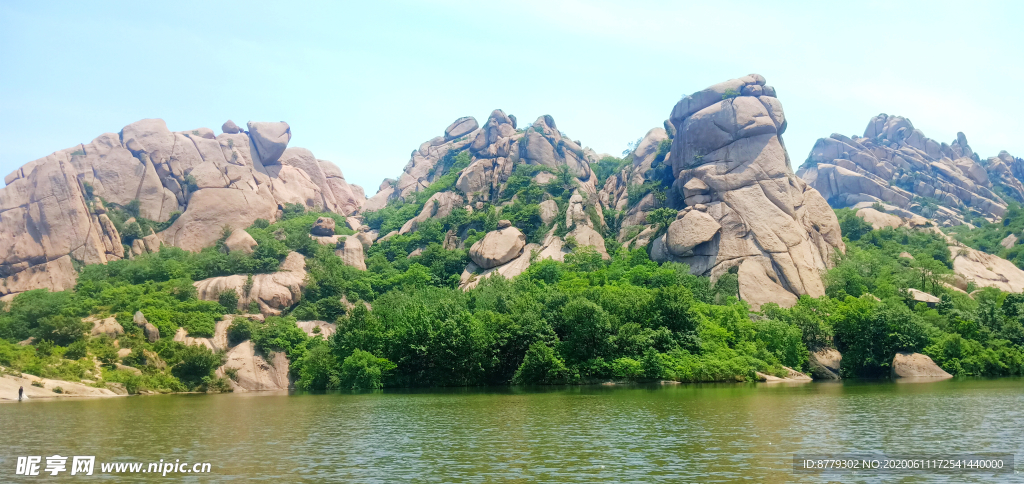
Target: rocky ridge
[(895, 163), (53, 211)]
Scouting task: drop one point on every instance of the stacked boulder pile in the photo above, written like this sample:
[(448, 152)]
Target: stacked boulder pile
[(897, 164), (53, 211), (744, 209)]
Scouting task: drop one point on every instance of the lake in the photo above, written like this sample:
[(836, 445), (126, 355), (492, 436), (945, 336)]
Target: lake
[(641, 434)]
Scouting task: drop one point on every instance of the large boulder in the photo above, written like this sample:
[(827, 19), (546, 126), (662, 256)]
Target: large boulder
[(105, 327), (324, 227), (240, 241), (460, 128), (270, 140), (148, 329), (825, 363), (689, 231), (230, 127), (780, 231), (498, 247), (351, 252), (254, 371), (916, 365)]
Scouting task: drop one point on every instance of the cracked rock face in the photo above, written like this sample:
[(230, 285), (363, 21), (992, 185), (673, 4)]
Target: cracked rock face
[(51, 211), (728, 154), (894, 163)]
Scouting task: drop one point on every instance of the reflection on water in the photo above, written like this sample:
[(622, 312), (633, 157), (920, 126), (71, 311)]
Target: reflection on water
[(678, 433)]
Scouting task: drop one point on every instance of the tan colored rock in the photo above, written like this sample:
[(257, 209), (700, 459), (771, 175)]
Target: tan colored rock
[(986, 270), (907, 255), (351, 253), (548, 211), (916, 365), (879, 220), (781, 231), (273, 292), (240, 241), (921, 296), (498, 247), (9, 385), (151, 331), (1009, 241), (825, 363), (253, 372), (792, 376), (461, 127), (214, 208), (230, 127), (588, 237), (439, 205), (693, 229), (270, 140), (105, 327), (323, 227), (757, 288)]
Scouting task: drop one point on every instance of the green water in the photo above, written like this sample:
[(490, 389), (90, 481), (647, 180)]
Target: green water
[(679, 433)]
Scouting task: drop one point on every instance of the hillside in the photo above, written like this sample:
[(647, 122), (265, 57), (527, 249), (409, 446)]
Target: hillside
[(503, 253)]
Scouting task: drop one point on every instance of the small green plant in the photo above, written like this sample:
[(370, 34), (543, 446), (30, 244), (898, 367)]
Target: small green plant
[(78, 152), (231, 373), (58, 390), (38, 384), (195, 132), (730, 93)]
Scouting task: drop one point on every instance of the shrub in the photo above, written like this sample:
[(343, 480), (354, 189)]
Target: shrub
[(362, 370), (541, 366), (228, 299)]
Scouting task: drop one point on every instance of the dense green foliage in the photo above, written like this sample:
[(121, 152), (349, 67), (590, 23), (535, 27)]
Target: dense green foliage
[(987, 236)]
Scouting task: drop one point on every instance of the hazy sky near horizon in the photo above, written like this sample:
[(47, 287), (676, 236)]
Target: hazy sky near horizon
[(363, 84)]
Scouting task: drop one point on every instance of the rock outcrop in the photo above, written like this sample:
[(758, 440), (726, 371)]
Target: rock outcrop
[(273, 292), (148, 329), (916, 365), (254, 371), (969, 265), (53, 210), (777, 229), (498, 247), (825, 363), (897, 164)]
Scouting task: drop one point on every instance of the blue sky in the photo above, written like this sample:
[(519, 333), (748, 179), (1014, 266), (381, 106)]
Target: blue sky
[(363, 84)]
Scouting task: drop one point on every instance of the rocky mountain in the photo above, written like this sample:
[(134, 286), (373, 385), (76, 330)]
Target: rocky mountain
[(185, 186), (897, 164), (718, 170)]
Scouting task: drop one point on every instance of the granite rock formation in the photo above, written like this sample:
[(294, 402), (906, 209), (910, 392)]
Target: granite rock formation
[(897, 164), (729, 163), (53, 211)]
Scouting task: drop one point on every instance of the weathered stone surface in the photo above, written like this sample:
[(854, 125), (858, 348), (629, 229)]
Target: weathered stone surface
[(230, 127), (151, 331), (825, 363), (314, 329), (758, 288), (270, 140), (879, 220), (548, 211), (272, 292), (779, 230), (921, 296), (1009, 241), (324, 227), (986, 270), (240, 241), (916, 365), (460, 128), (894, 163), (105, 327), (585, 236), (439, 205), (351, 253), (253, 372), (498, 247), (693, 229)]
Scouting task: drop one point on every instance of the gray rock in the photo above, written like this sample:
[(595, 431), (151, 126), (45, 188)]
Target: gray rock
[(270, 140), (323, 227), (230, 127)]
